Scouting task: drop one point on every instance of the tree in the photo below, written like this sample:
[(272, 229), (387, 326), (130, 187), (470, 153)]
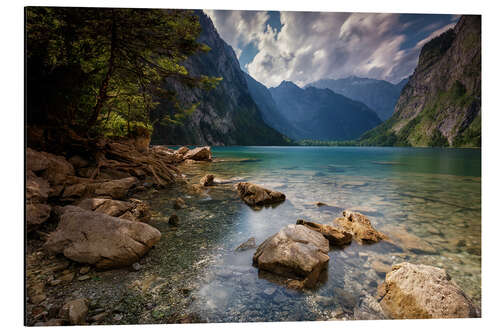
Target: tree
[(88, 68)]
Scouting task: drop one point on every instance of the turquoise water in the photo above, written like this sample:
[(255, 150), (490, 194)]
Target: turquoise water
[(427, 200)]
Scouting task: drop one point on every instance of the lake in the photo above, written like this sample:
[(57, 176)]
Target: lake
[(428, 200)]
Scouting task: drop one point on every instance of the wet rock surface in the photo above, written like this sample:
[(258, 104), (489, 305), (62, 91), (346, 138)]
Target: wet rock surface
[(199, 154), (360, 227), (254, 195), (296, 252), (207, 180), (422, 291), (335, 236)]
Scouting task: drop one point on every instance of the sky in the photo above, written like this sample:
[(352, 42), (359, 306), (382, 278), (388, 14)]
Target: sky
[(303, 47)]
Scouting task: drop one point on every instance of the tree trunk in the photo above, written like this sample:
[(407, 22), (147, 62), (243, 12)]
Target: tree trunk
[(103, 89)]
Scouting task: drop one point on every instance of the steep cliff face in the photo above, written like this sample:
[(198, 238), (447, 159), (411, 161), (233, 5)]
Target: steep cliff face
[(269, 109), (441, 103), (379, 95), (226, 115), (321, 114)]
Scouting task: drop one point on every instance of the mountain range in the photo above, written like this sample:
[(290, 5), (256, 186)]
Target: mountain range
[(439, 104), (321, 114), (379, 95)]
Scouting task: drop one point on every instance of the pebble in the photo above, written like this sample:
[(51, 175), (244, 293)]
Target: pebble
[(37, 299), (269, 291), (84, 277), (136, 266), (84, 270), (99, 317)]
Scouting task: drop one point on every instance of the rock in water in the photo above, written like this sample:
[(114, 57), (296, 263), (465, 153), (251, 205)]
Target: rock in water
[(400, 237), (336, 236), (207, 180), (173, 220), (296, 252), (360, 227), (254, 195), (249, 244), (182, 150), (421, 291), (99, 239), (75, 311), (199, 154), (179, 203)]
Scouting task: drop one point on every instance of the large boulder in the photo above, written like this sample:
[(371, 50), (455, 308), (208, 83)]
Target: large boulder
[(335, 236), (99, 239), (36, 214), (254, 195), (296, 252), (360, 227), (84, 188), (421, 291), (36, 161), (199, 154), (37, 188), (133, 210), (115, 189), (166, 154), (56, 169)]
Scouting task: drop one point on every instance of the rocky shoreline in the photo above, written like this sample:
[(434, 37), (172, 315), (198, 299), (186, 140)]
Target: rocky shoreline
[(80, 227)]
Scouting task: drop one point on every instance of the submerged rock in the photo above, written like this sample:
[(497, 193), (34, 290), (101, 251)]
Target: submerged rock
[(296, 252), (254, 195), (173, 220), (421, 291), (360, 227), (249, 244), (179, 203), (400, 236), (337, 237), (199, 154), (207, 180), (99, 239)]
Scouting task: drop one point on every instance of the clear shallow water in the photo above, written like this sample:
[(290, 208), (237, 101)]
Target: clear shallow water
[(428, 200)]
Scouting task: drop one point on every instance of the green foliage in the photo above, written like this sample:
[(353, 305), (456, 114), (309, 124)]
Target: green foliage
[(415, 132), (101, 70), (471, 137), (437, 139)]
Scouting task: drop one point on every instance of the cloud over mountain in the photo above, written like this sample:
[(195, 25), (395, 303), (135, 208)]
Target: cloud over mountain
[(306, 46)]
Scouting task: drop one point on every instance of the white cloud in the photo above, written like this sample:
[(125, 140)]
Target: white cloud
[(316, 45)]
